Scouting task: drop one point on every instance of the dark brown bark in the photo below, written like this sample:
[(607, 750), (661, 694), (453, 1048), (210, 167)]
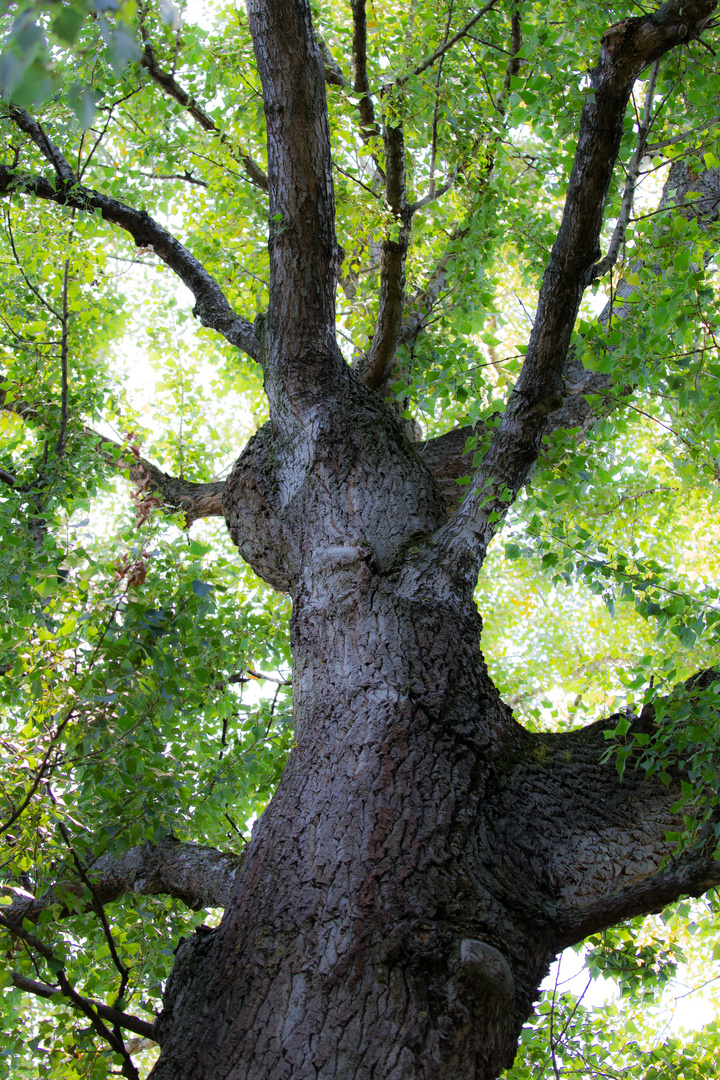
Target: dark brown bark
[(361, 85), (374, 368)]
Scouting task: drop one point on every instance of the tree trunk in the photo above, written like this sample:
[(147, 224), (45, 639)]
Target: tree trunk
[(424, 857)]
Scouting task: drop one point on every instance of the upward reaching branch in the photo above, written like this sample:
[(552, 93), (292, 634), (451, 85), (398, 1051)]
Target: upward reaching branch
[(304, 255), (376, 365), (359, 62), (627, 48)]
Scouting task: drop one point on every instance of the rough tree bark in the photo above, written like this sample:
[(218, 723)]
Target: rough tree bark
[(424, 857)]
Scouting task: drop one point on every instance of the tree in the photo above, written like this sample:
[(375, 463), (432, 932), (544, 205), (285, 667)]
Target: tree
[(424, 855)]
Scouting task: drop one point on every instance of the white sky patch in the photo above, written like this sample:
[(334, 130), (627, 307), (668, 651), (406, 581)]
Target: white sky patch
[(682, 1008)]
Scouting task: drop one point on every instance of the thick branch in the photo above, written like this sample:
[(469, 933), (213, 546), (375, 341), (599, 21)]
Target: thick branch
[(587, 847), (374, 368), (47, 148), (211, 306), (201, 877), (361, 85), (626, 49), (589, 395), (195, 500), (305, 257), (113, 1016)]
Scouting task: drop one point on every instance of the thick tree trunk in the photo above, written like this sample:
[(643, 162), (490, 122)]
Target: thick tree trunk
[(369, 935), (424, 857)]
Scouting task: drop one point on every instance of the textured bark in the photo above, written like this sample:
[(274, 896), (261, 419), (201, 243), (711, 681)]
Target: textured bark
[(194, 500), (199, 876), (424, 857)]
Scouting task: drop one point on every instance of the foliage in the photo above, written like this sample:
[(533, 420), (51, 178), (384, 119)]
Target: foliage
[(124, 638)]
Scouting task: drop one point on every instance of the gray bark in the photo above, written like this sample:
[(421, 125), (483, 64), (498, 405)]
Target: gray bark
[(201, 877)]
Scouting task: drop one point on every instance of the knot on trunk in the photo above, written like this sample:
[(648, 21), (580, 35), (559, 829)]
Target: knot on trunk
[(250, 508), (487, 968)]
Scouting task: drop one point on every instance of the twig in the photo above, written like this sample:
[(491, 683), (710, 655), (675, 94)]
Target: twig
[(355, 180), (651, 148), (110, 109), (36, 292), (445, 47), (187, 176), (99, 909), (113, 1039), (436, 106), (618, 236)]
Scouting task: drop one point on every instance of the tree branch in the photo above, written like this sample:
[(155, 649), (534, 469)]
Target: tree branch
[(173, 89), (361, 85), (600, 840), (305, 257), (113, 1016), (53, 154), (195, 500), (587, 393), (374, 367), (445, 47), (419, 310), (626, 49), (618, 236), (201, 877), (112, 1038), (211, 305)]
